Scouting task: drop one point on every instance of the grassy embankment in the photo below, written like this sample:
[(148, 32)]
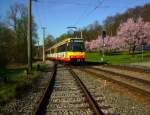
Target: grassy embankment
[(118, 58), (14, 81)]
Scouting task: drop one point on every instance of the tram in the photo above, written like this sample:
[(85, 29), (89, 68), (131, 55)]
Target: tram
[(67, 50)]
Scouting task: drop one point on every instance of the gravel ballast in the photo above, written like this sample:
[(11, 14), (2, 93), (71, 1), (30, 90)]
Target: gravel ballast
[(120, 104)]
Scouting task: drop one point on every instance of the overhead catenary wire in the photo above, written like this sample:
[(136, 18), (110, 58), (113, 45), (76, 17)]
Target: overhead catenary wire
[(96, 7), (54, 2), (85, 14), (89, 13), (81, 16)]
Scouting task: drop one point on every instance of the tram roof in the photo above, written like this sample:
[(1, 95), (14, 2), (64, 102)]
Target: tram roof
[(62, 42)]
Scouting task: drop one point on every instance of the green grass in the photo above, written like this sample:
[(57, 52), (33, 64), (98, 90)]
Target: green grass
[(17, 79), (118, 58), (7, 92)]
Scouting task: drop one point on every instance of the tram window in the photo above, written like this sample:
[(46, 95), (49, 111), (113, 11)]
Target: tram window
[(62, 48), (59, 49), (52, 50), (68, 46), (55, 50), (47, 52), (77, 46)]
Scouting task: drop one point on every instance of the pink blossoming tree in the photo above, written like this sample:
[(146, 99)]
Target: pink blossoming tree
[(131, 34), (134, 33)]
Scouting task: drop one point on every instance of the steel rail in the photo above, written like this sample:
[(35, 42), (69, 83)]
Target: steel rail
[(41, 104), (122, 75), (143, 92), (130, 68), (93, 104)]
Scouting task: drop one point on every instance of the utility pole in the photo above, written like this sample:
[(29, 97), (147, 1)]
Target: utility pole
[(103, 37), (38, 53), (142, 52), (29, 37), (81, 35), (43, 43)]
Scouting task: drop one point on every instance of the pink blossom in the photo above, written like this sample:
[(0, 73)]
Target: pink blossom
[(130, 35)]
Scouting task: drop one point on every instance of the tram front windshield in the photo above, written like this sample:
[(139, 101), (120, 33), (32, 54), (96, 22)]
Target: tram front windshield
[(77, 46)]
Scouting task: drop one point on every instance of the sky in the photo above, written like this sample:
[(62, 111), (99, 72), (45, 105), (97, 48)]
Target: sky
[(57, 15)]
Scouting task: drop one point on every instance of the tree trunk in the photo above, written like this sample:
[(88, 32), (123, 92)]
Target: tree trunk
[(133, 51)]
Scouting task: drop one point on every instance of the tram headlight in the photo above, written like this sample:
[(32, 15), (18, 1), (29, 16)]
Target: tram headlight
[(72, 56)]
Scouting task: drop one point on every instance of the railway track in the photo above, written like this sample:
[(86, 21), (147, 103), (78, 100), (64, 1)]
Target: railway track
[(66, 94), (139, 85), (135, 78), (130, 68), (69, 92), (40, 107), (24, 104), (115, 97)]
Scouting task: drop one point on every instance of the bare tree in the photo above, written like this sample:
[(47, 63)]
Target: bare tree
[(17, 20), (49, 41)]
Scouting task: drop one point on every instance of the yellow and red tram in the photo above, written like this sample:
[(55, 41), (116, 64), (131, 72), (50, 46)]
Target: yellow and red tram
[(68, 50)]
